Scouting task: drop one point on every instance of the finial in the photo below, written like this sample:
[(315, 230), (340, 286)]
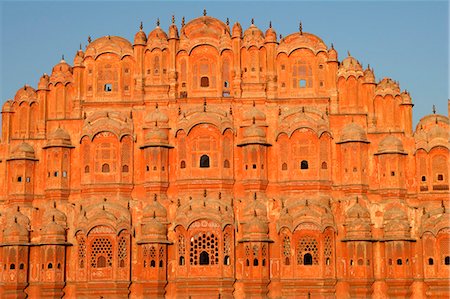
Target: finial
[(178, 202), (62, 57), (156, 105), (54, 204), (182, 22), (303, 109), (434, 109), (157, 22), (348, 53), (228, 22), (231, 111), (220, 209), (204, 12), (204, 104), (15, 219), (141, 26), (281, 36), (204, 193), (357, 200), (326, 111), (253, 21), (154, 214), (254, 196), (53, 218), (204, 203), (442, 204), (173, 19), (332, 46), (18, 209), (424, 211), (270, 24), (109, 36), (179, 110), (279, 111), (220, 195), (80, 46), (300, 27), (306, 203), (89, 39), (103, 207), (254, 104), (254, 213), (154, 197), (254, 120)]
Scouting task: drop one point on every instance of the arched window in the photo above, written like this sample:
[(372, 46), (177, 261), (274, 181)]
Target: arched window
[(181, 261), (204, 161), (399, 262), (255, 262), (247, 263), (183, 164), (440, 177), (152, 264), (86, 169), (287, 261), (125, 168), (447, 260), (101, 262), (161, 264), (324, 165), (204, 81), (430, 261), (105, 167), (284, 166), (21, 266), (304, 164), (204, 258), (307, 259), (424, 178), (50, 266), (226, 164), (12, 266)]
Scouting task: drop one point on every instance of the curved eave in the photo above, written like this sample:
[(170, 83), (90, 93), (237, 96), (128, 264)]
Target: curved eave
[(352, 140), (165, 145)]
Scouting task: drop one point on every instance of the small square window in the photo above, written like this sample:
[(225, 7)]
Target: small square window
[(28, 179), (302, 83), (19, 179), (107, 87), (204, 82), (283, 67), (440, 177)]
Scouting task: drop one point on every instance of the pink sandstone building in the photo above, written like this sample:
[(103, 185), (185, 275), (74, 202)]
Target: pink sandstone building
[(216, 162)]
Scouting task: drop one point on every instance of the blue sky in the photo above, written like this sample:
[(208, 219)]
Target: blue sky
[(405, 40)]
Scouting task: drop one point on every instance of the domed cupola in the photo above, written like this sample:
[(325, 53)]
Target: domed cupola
[(43, 82), (255, 204), (157, 118), (254, 114), (255, 228), (237, 30), (157, 125), (369, 76), (154, 221), (353, 132), (173, 30), (23, 151), (26, 93), (140, 38), (78, 59), (253, 36), (59, 138), (17, 228), (53, 213), (358, 222), (157, 33), (332, 54), (387, 86), (350, 67), (406, 97), (53, 232), (396, 224), (62, 72), (271, 35), (391, 145)]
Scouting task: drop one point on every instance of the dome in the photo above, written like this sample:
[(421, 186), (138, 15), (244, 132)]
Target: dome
[(7, 106), (369, 76), (406, 97), (301, 40), (158, 117), (253, 32), (54, 230), (332, 54), (23, 151), (271, 35), (109, 44), (43, 82), (155, 210), (350, 67), (26, 93), (387, 86), (437, 132), (358, 211), (396, 223), (62, 66), (156, 135), (254, 114), (54, 215), (154, 230), (15, 232), (78, 59), (255, 206), (395, 214), (140, 38), (157, 33), (237, 30), (256, 228), (254, 131), (390, 145), (353, 132), (62, 72), (59, 137)]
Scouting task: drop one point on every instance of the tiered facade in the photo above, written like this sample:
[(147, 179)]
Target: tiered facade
[(212, 162)]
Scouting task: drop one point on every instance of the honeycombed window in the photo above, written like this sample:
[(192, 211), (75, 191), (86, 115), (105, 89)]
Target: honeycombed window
[(204, 250)]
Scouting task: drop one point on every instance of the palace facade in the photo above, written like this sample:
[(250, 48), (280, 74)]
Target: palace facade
[(217, 162)]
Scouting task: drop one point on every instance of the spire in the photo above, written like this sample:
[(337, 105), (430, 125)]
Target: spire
[(157, 22), (154, 197), (228, 22), (281, 36), (89, 39), (80, 46), (332, 46), (270, 24), (253, 21), (348, 53), (173, 19), (434, 109), (141, 26), (300, 28), (182, 22), (204, 12)]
